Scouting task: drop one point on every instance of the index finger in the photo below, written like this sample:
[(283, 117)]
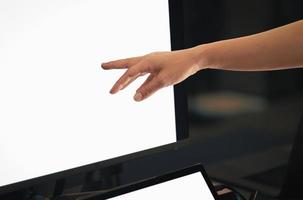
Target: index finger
[(121, 64)]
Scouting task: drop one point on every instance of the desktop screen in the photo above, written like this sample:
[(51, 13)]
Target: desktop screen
[(56, 112)]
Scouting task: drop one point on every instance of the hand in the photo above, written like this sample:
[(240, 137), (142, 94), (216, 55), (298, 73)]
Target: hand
[(164, 69)]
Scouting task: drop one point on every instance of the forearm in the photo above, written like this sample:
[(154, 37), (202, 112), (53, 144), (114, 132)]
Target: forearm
[(278, 48)]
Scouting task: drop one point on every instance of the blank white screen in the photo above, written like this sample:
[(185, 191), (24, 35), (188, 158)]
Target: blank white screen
[(191, 187), (56, 112)]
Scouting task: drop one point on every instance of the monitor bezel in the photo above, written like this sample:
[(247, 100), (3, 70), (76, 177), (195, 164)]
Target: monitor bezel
[(179, 173), (176, 16)]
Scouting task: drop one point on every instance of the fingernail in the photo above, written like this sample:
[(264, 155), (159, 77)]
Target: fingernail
[(138, 96)]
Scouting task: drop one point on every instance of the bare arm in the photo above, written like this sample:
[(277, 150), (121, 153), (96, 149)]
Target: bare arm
[(278, 48)]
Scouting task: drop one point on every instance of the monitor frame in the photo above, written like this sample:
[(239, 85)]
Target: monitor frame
[(176, 18), (179, 173), (181, 113)]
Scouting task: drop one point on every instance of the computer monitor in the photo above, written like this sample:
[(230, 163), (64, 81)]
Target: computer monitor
[(55, 109)]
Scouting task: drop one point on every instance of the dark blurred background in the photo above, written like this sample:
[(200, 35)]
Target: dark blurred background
[(253, 116)]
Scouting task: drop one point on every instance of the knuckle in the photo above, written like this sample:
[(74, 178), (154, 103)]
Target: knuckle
[(147, 62), (160, 81), (144, 92), (123, 64), (131, 73)]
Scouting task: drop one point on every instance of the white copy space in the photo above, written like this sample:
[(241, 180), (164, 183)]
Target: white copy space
[(56, 112)]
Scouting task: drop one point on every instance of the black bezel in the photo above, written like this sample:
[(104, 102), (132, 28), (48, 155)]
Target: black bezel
[(176, 19), (156, 180)]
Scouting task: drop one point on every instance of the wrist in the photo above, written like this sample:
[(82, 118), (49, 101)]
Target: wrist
[(204, 56)]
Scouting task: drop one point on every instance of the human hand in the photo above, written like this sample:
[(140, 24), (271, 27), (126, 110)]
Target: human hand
[(164, 69)]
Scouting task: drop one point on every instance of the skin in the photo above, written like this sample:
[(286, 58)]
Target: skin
[(276, 49)]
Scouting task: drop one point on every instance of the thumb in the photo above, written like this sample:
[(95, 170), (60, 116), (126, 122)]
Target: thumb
[(149, 87)]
